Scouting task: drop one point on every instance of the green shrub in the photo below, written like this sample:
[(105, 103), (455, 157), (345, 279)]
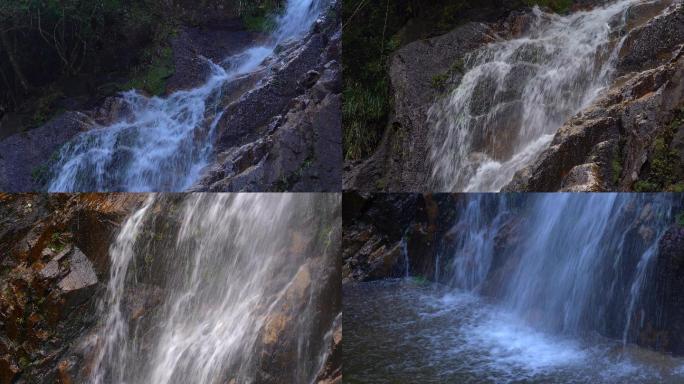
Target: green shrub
[(152, 74), (364, 114)]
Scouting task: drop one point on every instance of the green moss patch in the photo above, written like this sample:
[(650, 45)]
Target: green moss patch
[(664, 164)]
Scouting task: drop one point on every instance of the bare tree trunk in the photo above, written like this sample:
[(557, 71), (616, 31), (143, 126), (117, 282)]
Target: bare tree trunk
[(4, 42)]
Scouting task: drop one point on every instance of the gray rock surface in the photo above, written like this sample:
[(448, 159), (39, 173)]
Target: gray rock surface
[(400, 162), (286, 133), (23, 156)]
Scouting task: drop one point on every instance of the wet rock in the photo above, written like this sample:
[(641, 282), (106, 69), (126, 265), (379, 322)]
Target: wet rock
[(8, 370), (79, 283), (609, 145), (399, 163), (384, 261), (309, 79), (286, 132), (583, 178), (215, 42), (23, 156), (65, 371), (654, 43), (665, 320), (314, 291), (505, 259), (331, 373), (111, 110)]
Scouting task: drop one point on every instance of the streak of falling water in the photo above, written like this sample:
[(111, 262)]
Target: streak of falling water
[(473, 246), (404, 252), (571, 248), (164, 143), (114, 323), (233, 262), (515, 94)]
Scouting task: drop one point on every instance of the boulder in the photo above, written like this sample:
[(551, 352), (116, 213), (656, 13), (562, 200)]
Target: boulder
[(79, 283)]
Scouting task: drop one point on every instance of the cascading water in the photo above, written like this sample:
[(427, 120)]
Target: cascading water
[(532, 288), (223, 270), (164, 143), (578, 246), (473, 244), (515, 94)]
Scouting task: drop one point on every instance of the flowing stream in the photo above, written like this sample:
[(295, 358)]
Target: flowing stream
[(561, 301), (164, 143), (515, 94), (194, 283)]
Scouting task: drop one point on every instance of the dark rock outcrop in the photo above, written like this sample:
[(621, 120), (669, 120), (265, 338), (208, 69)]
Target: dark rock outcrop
[(382, 230), (664, 329), (286, 133), (51, 276)]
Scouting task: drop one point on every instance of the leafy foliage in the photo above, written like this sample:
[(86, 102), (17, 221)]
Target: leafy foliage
[(80, 50)]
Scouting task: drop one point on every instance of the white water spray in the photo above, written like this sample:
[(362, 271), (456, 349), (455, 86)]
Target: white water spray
[(572, 247), (233, 263), (515, 95), (163, 144)]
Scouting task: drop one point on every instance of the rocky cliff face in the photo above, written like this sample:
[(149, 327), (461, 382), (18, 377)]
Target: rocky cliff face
[(54, 261), (630, 138), (285, 134), (400, 162), (55, 271)]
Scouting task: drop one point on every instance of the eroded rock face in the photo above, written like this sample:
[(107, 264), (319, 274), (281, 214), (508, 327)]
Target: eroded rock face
[(286, 133), (612, 144), (50, 277)]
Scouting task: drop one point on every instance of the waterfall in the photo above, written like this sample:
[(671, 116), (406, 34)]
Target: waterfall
[(581, 263), (115, 325), (472, 245), (515, 94), (222, 269), (163, 144)]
